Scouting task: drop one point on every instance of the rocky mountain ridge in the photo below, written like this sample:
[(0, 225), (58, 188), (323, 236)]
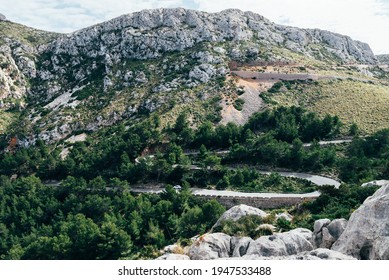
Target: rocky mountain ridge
[(150, 34), (144, 62), (383, 58)]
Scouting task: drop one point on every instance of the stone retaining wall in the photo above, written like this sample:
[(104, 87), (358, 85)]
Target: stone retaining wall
[(259, 202)]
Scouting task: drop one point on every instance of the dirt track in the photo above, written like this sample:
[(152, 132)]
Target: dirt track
[(278, 76)]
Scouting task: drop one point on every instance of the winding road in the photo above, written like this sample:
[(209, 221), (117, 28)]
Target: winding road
[(315, 179)]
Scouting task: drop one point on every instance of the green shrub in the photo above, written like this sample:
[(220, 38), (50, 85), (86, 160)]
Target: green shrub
[(238, 104)]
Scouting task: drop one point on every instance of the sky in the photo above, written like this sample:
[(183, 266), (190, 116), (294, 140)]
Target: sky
[(363, 20)]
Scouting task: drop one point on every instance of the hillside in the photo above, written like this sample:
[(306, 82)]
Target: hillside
[(383, 58), (151, 61)]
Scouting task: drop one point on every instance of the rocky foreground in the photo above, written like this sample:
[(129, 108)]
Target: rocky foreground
[(365, 236)]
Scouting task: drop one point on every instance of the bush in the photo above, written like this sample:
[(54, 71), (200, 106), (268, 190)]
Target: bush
[(238, 104)]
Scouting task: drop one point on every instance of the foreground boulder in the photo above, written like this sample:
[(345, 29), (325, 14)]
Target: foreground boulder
[(326, 232), (367, 233), (240, 245), (282, 244), (211, 246), (317, 254), (239, 211)]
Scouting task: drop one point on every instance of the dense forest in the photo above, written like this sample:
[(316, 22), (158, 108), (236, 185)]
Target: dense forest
[(89, 211)]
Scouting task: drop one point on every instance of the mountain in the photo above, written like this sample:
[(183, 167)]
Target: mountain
[(163, 61), (383, 58), (97, 126)]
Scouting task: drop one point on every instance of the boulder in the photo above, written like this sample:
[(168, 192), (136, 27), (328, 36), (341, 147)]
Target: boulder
[(267, 246), (173, 257), (282, 244), (211, 246), (317, 254), (367, 231), (326, 239), (326, 232), (336, 227), (322, 254), (319, 224), (239, 245), (239, 211), (381, 246)]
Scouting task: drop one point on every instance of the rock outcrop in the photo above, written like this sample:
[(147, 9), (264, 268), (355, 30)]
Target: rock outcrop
[(282, 244), (150, 34), (179, 29), (326, 232), (211, 246), (367, 233), (317, 254), (383, 58), (239, 211), (240, 245), (2, 17)]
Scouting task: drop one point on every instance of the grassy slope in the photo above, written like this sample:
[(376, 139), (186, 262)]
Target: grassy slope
[(364, 103), (24, 34), (5, 120)]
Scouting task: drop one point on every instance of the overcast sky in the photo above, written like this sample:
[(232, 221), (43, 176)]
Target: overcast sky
[(364, 20)]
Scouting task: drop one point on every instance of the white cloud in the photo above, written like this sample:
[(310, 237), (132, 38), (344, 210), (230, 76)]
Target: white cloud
[(71, 15), (364, 20)]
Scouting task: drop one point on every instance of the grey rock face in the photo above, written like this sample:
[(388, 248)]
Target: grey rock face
[(239, 211), (326, 232), (322, 254), (383, 58), (282, 244), (149, 34), (317, 254), (173, 257), (13, 81), (381, 248), (319, 224), (2, 17), (336, 227), (211, 246), (367, 232), (239, 245)]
